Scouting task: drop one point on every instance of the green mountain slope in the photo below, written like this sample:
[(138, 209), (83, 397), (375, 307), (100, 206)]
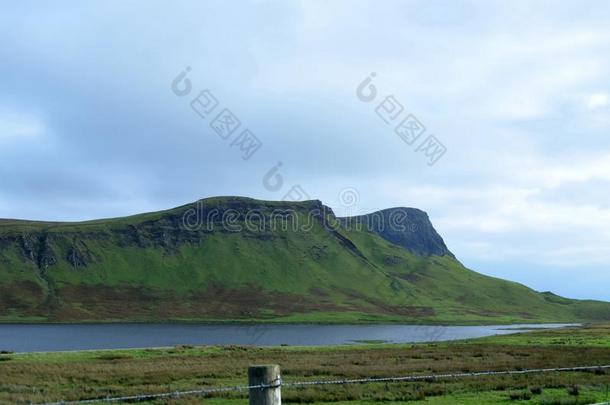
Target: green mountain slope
[(242, 259)]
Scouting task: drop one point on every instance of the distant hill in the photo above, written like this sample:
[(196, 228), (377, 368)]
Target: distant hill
[(239, 259)]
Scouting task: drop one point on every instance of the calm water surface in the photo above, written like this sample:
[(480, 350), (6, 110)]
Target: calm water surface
[(36, 338)]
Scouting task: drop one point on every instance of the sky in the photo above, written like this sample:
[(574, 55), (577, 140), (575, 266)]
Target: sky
[(95, 121)]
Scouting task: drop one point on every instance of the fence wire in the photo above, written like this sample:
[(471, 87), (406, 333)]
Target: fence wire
[(297, 384)]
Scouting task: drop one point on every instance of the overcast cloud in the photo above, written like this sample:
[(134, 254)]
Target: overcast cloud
[(518, 92)]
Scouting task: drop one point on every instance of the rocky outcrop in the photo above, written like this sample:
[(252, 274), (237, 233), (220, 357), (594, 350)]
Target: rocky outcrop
[(45, 256), (34, 247), (79, 255), (409, 228)]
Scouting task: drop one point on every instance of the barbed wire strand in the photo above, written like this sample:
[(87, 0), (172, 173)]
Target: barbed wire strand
[(296, 384), (173, 394)]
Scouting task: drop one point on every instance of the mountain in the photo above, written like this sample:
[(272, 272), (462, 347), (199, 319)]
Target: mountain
[(239, 259)]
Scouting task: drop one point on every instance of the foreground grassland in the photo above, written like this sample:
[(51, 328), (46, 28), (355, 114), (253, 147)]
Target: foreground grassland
[(54, 376)]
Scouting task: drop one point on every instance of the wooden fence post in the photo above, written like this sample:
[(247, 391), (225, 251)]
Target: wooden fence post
[(265, 375)]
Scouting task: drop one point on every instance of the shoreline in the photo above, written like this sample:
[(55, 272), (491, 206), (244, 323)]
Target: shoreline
[(257, 322)]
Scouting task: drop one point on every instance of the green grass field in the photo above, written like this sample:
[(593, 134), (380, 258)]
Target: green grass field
[(77, 375)]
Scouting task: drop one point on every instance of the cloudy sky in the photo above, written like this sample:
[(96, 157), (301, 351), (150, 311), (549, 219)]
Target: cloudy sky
[(517, 92)]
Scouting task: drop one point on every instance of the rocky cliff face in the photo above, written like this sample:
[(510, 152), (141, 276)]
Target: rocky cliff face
[(409, 228)]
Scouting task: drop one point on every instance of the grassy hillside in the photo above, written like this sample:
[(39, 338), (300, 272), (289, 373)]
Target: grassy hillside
[(241, 259)]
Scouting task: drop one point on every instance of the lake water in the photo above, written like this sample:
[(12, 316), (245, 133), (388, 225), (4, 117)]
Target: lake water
[(37, 338)]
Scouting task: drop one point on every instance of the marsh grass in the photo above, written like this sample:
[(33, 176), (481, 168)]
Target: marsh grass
[(78, 376)]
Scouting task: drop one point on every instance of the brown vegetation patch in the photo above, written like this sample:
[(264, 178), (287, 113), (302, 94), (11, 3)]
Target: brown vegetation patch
[(89, 302), (392, 260), (364, 303), (410, 277), (20, 296), (218, 301)]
